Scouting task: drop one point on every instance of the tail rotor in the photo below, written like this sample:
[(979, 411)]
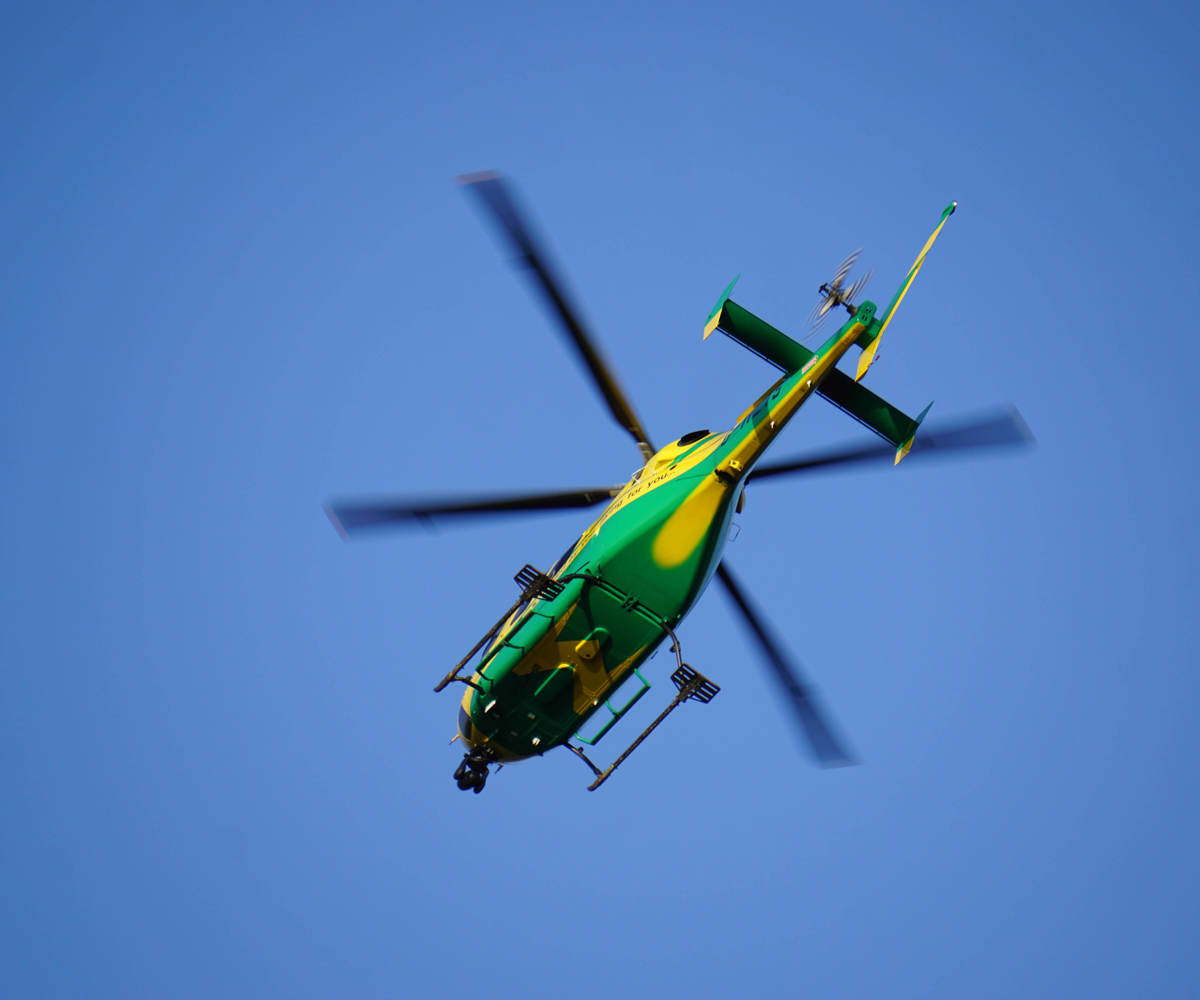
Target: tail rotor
[(835, 293)]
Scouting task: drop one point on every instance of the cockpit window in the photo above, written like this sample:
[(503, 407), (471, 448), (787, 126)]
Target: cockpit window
[(562, 561)]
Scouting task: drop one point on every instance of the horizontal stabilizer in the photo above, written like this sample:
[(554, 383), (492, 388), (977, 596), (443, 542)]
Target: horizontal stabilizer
[(891, 423), (761, 338), (756, 335)]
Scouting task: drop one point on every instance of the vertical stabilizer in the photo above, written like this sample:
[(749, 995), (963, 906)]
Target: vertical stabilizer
[(871, 344)]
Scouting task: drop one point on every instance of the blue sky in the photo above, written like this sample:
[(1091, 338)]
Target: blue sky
[(238, 279)]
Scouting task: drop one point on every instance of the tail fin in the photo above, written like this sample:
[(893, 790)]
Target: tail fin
[(907, 443), (871, 344), (715, 317)]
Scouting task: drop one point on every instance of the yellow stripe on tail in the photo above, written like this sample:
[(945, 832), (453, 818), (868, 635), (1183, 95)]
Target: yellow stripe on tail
[(869, 349)]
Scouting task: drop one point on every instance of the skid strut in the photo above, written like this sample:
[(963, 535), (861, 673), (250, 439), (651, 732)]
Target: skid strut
[(533, 583), (692, 686)]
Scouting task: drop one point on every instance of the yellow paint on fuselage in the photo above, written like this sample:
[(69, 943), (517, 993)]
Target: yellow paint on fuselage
[(689, 525), (665, 466), (590, 678)]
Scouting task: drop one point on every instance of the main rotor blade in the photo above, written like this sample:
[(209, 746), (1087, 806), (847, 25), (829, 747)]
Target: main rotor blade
[(350, 517), (1005, 429), (825, 746), (495, 194)]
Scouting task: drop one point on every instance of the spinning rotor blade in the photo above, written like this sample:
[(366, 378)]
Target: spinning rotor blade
[(494, 193), (832, 294), (1001, 430), (825, 746), (857, 287), (844, 268), (816, 318), (350, 517)]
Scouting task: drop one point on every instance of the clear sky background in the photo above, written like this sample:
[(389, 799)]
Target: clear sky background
[(236, 279)]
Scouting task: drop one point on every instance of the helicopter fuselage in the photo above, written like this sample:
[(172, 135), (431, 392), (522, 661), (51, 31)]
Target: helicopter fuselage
[(629, 580)]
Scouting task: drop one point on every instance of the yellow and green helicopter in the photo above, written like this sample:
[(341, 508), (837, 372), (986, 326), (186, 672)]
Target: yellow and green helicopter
[(582, 629)]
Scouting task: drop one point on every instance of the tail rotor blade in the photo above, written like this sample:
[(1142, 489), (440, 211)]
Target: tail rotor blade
[(816, 320), (845, 267), (819, 734), (858, 286), (494, 192), (834, 294)]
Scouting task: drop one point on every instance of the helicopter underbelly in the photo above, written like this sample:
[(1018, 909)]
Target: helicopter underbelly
[(624, 591)]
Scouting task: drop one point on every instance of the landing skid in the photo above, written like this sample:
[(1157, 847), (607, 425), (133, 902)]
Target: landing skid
[(533, 583), (692, 686)]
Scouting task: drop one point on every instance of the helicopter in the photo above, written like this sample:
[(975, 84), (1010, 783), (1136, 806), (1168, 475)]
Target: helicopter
[(582, 630)]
